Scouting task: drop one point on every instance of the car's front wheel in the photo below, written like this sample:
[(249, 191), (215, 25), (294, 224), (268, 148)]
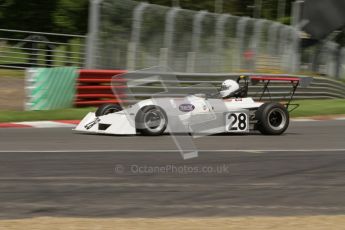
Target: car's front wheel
[(151, 120), (272, 118), (107, 109)]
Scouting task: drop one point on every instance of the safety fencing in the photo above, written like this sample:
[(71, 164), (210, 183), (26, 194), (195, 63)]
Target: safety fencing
[(23, 49), (327, 58), (134, 35)]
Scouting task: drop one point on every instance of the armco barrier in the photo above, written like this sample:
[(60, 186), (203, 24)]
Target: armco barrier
[(94, 87), (60, 87)]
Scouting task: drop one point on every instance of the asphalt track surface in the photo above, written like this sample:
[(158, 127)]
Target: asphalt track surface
[(57, 172)]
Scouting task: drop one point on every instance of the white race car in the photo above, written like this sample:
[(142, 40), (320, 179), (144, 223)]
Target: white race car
[(232, 112)]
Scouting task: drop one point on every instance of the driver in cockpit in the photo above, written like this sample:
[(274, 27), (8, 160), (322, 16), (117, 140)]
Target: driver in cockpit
[(232, 89)]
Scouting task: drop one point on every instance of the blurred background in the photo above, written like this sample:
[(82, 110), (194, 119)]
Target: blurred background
[(59, 58), (188, 37)]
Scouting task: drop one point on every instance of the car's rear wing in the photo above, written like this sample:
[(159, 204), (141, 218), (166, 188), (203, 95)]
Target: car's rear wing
[(301, 81), (294, 81)]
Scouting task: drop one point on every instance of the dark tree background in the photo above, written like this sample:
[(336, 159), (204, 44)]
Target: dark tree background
[(71, 16), (62, 16)]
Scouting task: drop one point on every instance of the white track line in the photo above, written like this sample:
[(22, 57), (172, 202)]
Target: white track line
[(45, 124), (170, 151), (303, 120)]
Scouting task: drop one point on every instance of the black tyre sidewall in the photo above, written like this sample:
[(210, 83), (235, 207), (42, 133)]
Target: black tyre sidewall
[(262, 117), (139, 120), (106, 107)]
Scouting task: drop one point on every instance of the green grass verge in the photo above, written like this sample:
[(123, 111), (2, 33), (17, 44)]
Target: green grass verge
[(307, 108), (319, 107), (61, 114), (17, 73)]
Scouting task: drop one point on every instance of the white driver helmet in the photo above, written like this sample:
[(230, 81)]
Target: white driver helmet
[(228, 87)]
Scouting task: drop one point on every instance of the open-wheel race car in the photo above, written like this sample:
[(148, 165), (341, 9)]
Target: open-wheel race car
[(231, 111)]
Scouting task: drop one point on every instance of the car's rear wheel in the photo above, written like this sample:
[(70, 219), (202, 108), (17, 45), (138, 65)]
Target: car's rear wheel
[(107, 109), (151, 120), (272, 118)]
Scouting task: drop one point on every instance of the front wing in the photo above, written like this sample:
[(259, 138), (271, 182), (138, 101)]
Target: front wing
[(114, 123)]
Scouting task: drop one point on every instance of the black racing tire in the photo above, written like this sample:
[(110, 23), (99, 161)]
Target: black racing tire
[(151, 120), (107, 109), (272, 118)]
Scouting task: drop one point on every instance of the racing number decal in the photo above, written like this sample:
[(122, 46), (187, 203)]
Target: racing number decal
[(237, 122)]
